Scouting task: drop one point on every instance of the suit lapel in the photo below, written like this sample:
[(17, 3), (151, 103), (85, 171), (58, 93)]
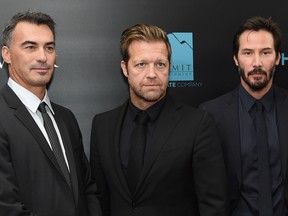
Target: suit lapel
[(115, 152), (69, 153), (231, 129), (26, 119), (23, 115), (167, 121)]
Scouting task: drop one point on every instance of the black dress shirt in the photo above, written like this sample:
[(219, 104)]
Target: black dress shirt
[(248, 203), (129, 124)]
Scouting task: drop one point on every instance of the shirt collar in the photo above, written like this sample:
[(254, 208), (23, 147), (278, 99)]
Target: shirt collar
[(248, 101), (153, 111), (30, 100), (268, 99)]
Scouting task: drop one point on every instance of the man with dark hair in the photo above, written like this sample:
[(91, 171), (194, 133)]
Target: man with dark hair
[(43, 167), (252, 121), (153, 156)]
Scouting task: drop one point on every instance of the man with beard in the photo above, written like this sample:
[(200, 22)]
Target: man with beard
[(179, 169), (255, 153)]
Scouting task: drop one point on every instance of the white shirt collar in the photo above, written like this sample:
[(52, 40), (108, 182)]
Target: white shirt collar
[(30, 100)]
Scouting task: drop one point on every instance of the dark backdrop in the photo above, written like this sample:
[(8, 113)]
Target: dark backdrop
[(89, 79)]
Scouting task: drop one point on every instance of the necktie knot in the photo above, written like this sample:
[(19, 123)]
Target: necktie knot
[(141, 118), (259, 105), (41, 107)]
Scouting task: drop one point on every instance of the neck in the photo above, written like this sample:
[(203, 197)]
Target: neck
[(143, 104), (256, 94)]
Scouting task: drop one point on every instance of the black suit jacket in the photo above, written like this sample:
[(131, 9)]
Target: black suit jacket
[(183, 172), (30, 178), (225, 110)]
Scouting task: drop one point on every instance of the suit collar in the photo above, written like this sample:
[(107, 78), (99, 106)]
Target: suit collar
[(232, 96), (11, 99)]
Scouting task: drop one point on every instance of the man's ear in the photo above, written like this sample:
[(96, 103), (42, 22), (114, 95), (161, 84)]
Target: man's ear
[(6, 54), (235, 60), (278, 59), (124, 68)]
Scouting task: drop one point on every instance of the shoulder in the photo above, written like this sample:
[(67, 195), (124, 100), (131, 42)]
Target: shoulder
[(281, 95), (112, 113), (3, 102), (60, 108), (280, 91), (62, 111), (221, 101), (187, 112)]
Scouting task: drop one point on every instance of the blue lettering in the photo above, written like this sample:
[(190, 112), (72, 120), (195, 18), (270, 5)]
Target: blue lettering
[(283, 59)]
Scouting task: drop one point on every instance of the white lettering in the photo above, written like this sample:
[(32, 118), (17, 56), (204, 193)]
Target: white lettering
[(2, 64)]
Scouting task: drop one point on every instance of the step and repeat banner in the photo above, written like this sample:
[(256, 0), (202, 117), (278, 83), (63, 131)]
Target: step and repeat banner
[(89, 79)]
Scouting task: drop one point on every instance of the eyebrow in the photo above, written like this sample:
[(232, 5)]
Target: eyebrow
[(34, 43), (248, 49)]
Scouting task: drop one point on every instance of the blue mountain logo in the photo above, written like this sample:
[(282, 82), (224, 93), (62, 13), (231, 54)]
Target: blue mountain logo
[(182, 68)]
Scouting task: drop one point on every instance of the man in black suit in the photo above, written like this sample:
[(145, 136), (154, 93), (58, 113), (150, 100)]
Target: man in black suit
[(257, 46), (32, 180), (181, 169)]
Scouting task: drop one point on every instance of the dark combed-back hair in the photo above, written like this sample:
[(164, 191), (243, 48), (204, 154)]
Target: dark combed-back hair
[(38, 18), (258, 23), (142, 32)]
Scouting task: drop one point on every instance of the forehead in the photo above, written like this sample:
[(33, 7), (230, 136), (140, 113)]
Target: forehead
[(32, 32), (151, 48), (256, 39)]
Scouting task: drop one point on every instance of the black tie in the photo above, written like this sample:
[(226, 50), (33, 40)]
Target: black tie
[(137, 149), (265, 194), (54, 141)]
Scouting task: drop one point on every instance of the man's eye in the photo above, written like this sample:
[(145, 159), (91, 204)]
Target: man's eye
[(50, 49), (29, 47), (140, 65), (267, 53)]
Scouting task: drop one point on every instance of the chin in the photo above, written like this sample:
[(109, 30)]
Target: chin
[(154, 97)]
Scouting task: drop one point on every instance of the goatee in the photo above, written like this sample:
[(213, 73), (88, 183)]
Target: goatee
[(257, 85)]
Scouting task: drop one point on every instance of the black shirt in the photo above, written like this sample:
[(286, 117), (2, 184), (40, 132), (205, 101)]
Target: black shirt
[(248, 204), (129, 124)]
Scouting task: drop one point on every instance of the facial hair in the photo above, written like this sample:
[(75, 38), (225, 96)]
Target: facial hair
[(257, 85)]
